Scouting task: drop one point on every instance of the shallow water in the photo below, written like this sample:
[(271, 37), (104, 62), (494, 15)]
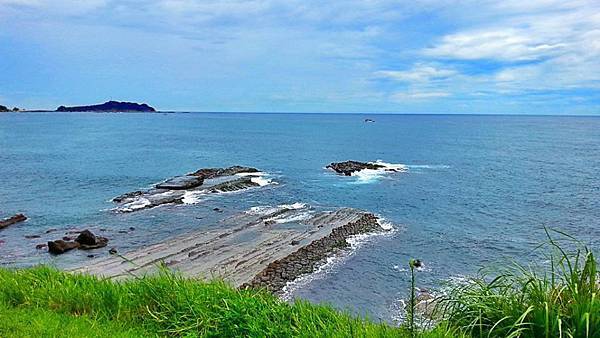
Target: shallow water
[(477, 189)]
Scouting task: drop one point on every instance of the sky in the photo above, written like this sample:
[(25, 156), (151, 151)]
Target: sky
[(422, 56)]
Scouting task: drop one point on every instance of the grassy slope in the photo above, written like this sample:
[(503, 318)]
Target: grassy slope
[(518, 302), (162, 305)]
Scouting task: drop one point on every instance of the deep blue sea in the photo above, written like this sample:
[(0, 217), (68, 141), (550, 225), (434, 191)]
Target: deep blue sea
[(479, 189)]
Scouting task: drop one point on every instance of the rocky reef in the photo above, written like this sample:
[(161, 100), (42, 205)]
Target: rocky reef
[(348, 167), (173, 190), (110, 106)]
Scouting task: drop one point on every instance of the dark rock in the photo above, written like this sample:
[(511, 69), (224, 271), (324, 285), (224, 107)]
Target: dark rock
[(307, 258), (86, 237), (208, 173), (122, 231), (67, 238), (181, 183), (128, 196), (3, 109), (112, 251), (90, 241), (91, 256), (41, 246), (12, 220), (348, 167), (51, 230), (235, 185), (59, 246), (131, 229), (217, 210), (32, 236), (110, 106), (369, 120)]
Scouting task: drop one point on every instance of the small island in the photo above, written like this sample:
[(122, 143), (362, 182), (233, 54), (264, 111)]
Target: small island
[(110, 106)]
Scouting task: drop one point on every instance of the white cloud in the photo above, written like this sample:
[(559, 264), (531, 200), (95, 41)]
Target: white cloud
[(501, 44), (419, 73), (418, 95)]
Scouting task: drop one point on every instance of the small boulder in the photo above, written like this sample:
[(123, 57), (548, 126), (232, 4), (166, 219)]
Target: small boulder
[(112, 251), (90, 241), (60, 247)]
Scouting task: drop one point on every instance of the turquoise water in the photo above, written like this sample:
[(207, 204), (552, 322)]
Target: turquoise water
[(478, 188)]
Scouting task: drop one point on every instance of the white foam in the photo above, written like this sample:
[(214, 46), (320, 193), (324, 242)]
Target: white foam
[(370, 175), (391, 166), (294, 206), (259, 178), (191, 197), (139, 203)]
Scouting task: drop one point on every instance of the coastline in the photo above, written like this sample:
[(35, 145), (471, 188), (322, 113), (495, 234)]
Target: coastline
[(252, 250)]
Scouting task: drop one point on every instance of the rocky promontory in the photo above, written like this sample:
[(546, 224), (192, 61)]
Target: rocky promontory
[(110, 106)]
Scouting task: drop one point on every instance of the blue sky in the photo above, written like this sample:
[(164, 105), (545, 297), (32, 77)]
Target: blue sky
[(515, 57)]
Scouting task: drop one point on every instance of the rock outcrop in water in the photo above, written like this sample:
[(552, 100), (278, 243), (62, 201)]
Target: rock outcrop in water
[(173, 190), (348, 167), (4, 109), (12, 220), (110, 106), (86, 240)]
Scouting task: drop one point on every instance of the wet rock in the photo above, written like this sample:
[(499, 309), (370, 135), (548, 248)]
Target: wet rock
[(41, 246), (348, 167), (208, 173), (234, 185), (112, 251), (181, 183), (32, 236), (91, 256), (90, 241), (173, 190), (131, 228), (307, 258), (59, 246), (369, 120), (51, 230), (67, 238), (217, 209), (12, 220), (128, 196)]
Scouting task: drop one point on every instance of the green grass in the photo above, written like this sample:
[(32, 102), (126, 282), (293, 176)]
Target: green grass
[(560, 301), (169, 305)]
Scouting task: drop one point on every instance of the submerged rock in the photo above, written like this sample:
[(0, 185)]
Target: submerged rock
[(12, 220), (348, 167)]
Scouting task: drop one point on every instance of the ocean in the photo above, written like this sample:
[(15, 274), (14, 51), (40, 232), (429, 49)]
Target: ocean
[(479, 189)]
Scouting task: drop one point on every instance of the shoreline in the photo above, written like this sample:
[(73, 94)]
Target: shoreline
[(251, 251)]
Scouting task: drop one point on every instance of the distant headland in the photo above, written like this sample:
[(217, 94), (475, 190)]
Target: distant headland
[(110, 106)]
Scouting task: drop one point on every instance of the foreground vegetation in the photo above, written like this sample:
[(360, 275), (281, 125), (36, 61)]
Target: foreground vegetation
[(517, 302)]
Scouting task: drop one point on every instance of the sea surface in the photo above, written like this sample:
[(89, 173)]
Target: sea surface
[(478, 191)]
